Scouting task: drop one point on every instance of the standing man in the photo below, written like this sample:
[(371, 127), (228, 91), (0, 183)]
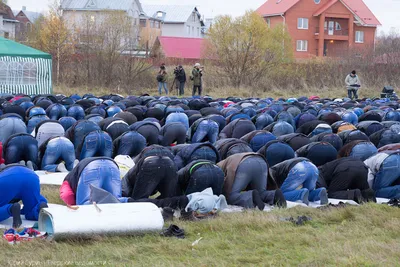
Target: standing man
[(162, 79), (181, 79), (353, 84), (196, 76), (176, 79)]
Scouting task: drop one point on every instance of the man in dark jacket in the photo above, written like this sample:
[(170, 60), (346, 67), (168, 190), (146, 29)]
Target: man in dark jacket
[(180, 79), (197, 73)]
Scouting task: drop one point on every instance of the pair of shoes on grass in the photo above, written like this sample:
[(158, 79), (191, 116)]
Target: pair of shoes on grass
[(14, 237)]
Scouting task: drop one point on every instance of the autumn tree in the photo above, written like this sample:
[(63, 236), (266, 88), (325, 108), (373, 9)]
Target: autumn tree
[(53, 36), (246, 48)]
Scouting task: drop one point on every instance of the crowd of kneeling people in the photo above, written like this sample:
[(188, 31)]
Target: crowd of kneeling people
[(251, 151)]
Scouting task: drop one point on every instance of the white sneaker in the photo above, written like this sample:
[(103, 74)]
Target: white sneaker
[(61, 168)]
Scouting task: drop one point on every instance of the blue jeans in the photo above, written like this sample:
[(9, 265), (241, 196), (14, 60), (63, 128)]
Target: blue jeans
[(363, 151), (81, 130), (67, 122), (251, 174), (10, 126), (130, 143), (76, 112), (260, 140), (205, 153), (263, 121), (206, 176), (20, 183), (96, 119), (303, 174), (102, 174), (388, 174), (22, 147), (56, 111), (207, 130), (178, 117), (161, 85), (96, 144), (34, 121), (57, 150)]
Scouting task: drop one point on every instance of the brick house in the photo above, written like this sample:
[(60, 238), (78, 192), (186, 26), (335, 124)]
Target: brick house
[(26, 20), (323, 27)]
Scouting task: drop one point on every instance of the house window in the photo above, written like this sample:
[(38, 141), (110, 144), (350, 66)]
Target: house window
[(302, 45), (268, 20), (159, 14), (157, 23), (6, 35), (193, 30), (152, 24), (29, 73), (194, 17), (302, 23), (325, 25), (198, 32), (359, 37), (337, 26), (188, 30), (143, 23)]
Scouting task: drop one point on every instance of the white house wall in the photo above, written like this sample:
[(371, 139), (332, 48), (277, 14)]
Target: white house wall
[(10, 28), (1, 26), (182, 29)]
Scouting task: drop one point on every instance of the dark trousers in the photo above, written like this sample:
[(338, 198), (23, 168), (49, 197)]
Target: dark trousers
[(171, 133), (155, 174), (19, 148), (181, 88), (206, 176), (345, 180), (117, 129), (196, 88), (352, 93), (149, 132)]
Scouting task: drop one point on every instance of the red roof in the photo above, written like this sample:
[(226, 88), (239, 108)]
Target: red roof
[(276, 7), (357, 7), (361, 10), (180, 47)]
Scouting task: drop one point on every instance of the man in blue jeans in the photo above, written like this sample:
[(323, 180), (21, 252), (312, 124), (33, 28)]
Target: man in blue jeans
[(21, 147), (384, 174), (204, 151), (297, 178), (178, 117), (130, 143), (204, 130), (56, 151), (102, 173), (96, 144), (10, 125), (18, 183)]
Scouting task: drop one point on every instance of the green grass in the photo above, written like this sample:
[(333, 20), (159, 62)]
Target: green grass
[(353, 236)]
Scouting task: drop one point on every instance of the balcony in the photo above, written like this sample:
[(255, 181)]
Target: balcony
[(333, 34)]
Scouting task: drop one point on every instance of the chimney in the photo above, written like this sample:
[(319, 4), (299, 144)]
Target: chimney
[(23, 8)]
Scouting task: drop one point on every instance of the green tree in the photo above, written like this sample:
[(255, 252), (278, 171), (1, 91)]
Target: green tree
[(246, 48)]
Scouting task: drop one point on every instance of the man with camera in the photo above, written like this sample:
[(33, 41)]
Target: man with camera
[(180, 79)]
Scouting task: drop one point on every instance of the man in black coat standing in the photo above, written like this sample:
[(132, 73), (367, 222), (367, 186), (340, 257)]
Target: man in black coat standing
[(181, 79)]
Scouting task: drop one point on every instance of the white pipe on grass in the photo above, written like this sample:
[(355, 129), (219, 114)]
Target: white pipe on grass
[(107, 219)]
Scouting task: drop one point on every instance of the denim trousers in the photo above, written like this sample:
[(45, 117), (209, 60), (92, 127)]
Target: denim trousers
[(207, 130), (388, 174), (305, 175), (57, 150), (102, 174), (97, 144)]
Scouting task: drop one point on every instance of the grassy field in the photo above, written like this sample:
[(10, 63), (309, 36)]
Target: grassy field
[(225, 92), (353, 236)]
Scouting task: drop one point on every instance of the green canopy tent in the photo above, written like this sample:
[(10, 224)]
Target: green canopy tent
[(24, 70)]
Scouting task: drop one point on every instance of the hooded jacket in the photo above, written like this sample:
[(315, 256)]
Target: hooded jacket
[(182, 157), (280, 171)]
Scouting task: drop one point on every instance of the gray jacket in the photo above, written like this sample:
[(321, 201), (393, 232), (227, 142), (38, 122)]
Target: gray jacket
[(351, 81)]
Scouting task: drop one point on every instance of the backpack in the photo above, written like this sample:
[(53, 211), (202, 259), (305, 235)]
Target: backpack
[(159, 78)]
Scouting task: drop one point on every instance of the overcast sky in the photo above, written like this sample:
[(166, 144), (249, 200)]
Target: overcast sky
[(387, 11)]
